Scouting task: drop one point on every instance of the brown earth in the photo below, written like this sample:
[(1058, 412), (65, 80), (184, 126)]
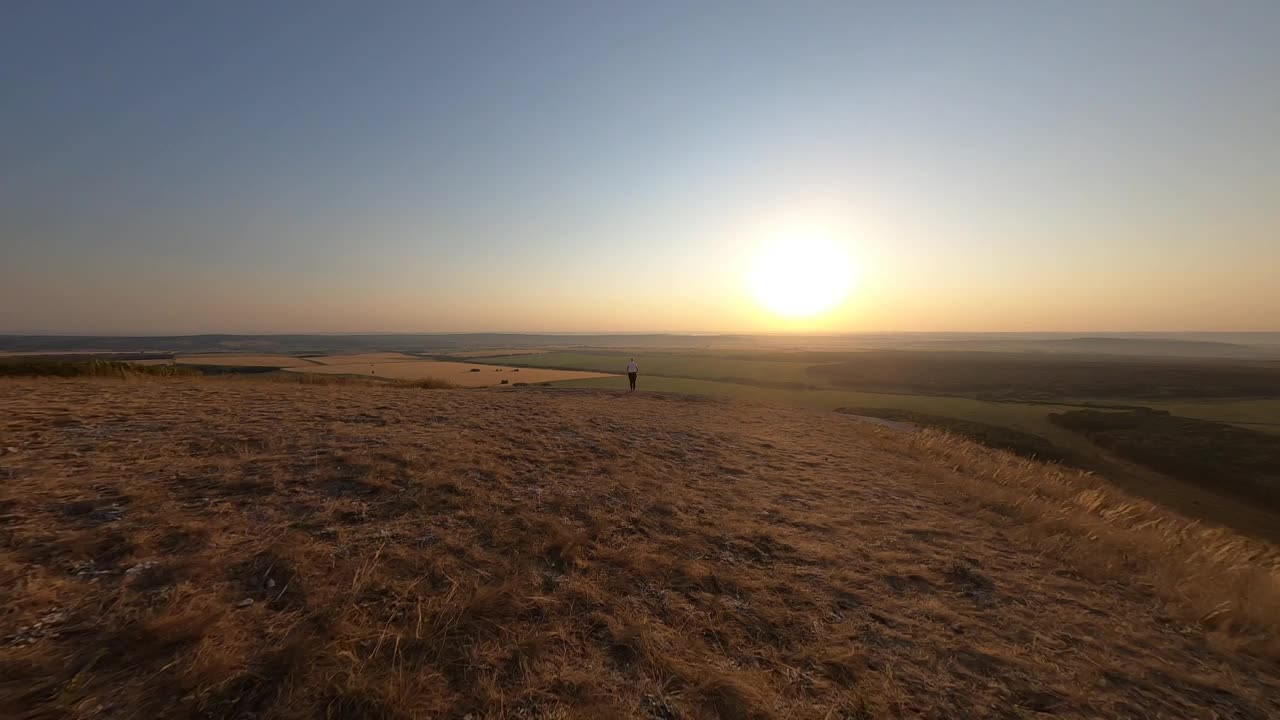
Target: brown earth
[(235, 548)]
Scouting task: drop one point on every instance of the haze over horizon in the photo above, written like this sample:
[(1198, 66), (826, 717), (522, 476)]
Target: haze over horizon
[(572, 167)]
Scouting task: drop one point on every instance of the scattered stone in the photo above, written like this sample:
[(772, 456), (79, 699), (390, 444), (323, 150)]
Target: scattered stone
[(107, 514), (11, 449), (45, 627), (245, 603), (91, 570), (141, 566), (271, 583)]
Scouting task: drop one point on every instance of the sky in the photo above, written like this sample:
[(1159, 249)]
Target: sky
[(248, 167)]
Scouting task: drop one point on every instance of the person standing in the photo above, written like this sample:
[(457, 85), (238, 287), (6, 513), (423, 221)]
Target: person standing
[(632, 370)]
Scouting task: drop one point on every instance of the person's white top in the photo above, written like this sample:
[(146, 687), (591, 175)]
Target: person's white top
[(633, 367)]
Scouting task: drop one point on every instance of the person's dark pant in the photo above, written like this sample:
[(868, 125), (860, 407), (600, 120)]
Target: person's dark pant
[(632, 378)]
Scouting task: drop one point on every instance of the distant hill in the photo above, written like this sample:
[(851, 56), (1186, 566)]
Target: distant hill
[(1045, 377), (297, 343), (1113, 346), (1207, 345)]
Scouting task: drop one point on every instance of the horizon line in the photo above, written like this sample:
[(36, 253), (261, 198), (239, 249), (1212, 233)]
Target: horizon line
[(626, 333)]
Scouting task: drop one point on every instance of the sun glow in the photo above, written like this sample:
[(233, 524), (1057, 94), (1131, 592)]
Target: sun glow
[(800, 276)]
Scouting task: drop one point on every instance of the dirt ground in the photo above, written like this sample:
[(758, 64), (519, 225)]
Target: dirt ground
[(237, 548)]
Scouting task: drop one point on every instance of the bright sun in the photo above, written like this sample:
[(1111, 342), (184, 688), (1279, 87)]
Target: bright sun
[(800, 276)]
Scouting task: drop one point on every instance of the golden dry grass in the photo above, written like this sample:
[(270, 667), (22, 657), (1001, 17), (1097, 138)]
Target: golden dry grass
[(378, 357), (243, 548), (460, 374)]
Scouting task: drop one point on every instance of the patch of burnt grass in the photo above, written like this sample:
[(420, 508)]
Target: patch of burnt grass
[(175, 540), (157, 639), (32, 682), (363, 474), (254, 487), (843, 666), (629, 644), (78, 508), (730, 698), (164, 574), (564, 548), (258, 688), (350, 700), (103, 546), (270, 578)]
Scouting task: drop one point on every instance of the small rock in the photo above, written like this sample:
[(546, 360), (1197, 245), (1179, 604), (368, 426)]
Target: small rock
[(271, 583), (107, 514), (245, 603), (11, 449)]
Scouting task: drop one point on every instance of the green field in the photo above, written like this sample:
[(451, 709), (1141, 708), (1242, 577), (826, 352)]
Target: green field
[(1019, 416), (791, 382), (1262, 415), (673, 365)]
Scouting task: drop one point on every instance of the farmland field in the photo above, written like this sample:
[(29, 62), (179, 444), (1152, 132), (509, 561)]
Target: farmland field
[(461, 374), (494, 352), (229, 360), (381, 357), (683, 365), (796, 382), (1002, 390), (1261, 414)]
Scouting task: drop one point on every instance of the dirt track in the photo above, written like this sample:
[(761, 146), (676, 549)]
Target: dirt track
[(250, 549)]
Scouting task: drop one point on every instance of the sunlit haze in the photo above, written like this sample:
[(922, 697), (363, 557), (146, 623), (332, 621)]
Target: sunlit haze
[(838, 166)]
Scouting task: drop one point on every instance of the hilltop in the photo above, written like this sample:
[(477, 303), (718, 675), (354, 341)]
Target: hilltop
[(239, 548)]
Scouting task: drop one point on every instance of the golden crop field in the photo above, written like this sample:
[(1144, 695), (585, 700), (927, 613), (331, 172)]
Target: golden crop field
[(378, 357)]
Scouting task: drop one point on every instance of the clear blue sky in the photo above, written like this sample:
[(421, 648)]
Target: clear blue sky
[(258, 167)]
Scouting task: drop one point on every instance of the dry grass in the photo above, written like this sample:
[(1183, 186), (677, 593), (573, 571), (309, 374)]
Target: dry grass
[(460, 374), (1223, 581), (231, 360), (555, 553), (357, 358)]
